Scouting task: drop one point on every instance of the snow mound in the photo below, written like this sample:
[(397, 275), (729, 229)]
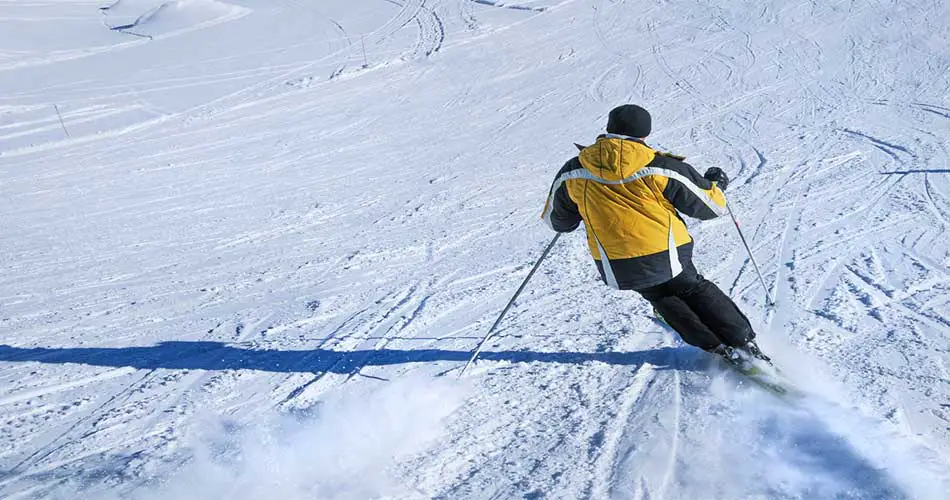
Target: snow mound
[(175, 16)]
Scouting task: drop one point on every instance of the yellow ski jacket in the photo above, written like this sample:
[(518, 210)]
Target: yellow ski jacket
[(628, 196)]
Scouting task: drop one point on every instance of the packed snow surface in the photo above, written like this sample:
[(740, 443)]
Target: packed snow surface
[(246, 246)]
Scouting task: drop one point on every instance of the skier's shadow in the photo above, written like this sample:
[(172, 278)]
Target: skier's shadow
[(220, 356)]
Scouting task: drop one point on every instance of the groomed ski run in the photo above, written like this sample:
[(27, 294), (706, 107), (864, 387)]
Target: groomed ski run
[(240, 240)]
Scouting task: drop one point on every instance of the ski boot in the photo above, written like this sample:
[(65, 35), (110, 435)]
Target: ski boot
[(728, 353), (752, 349), (737, 358)]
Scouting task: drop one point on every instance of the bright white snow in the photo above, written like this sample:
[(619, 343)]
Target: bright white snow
[(241, 239)]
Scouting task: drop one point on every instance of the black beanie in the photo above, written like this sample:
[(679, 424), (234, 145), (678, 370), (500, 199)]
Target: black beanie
[(629, 119)]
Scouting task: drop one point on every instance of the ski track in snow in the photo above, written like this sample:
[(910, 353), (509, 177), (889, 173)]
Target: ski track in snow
[(260, 209)]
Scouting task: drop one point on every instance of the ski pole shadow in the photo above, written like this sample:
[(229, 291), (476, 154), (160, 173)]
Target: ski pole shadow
[(202, 355), (919, 171)]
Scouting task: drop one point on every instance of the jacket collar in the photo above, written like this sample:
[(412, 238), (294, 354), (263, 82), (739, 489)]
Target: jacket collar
[(622, 137)]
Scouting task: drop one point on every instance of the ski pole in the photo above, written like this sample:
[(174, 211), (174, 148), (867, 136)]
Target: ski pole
[(510, 302), (768, 296)]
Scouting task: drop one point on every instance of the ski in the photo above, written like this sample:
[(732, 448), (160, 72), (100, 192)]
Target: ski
[(768, 378)]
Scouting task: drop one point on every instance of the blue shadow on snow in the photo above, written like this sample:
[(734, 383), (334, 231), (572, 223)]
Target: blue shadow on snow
[(221, 356)]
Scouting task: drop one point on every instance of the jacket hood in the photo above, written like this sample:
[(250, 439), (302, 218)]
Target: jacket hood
[(613, 158)]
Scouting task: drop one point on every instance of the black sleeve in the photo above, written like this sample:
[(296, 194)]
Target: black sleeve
[(565, 217), (560, 211), (691, 193)]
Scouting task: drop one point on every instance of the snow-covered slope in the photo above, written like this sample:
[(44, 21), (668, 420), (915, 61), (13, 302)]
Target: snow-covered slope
[(240, 240)]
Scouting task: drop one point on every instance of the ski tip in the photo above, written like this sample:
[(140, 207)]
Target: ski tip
[(580, 147)]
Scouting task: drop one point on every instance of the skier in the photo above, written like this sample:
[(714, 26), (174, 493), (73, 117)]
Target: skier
[(629, 196)]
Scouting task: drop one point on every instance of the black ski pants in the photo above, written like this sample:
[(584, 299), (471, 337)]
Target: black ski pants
[(699, 311)]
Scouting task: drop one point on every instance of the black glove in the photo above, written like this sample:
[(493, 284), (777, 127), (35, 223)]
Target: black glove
[(718, 176)]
